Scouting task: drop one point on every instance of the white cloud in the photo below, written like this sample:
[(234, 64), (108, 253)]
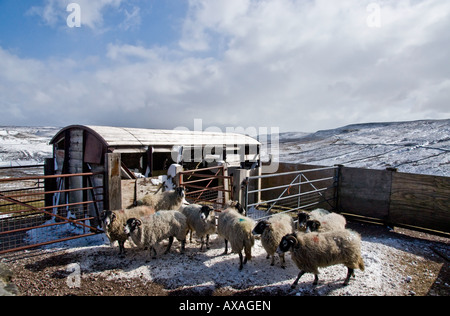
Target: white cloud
[(299, 65)]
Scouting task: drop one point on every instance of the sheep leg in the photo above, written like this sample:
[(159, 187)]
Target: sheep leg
[(152, 249), (316, 279), (283, 261), (121, 248), (202, 242), (296, 280), (169, 245), (241, 265), (349, 274), (183, 246), (226, 247), (272, 263)]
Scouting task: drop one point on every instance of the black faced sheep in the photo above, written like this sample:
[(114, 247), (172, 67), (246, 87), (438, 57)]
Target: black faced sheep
[(316, 250), (201, 220), (328, 221), (113, 222), (272, 231), (149, 230)]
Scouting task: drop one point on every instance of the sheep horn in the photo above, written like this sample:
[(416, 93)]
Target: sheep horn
[(292, 239)]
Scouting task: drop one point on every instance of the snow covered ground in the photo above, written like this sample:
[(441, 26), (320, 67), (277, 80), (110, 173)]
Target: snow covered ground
[(20, 146), (393, 266)]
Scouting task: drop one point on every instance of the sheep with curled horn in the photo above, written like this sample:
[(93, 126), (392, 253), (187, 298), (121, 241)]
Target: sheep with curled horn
[(114, 221), (148, 231), (318, 250), (328, 221)]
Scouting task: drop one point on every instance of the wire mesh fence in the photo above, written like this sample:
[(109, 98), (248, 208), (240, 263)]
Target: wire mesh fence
[(38, 210)]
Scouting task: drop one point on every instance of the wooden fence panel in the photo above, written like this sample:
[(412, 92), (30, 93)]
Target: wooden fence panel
[(421, 201), (365, 192)]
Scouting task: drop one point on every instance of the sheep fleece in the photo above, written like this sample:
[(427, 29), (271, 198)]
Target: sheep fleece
[(271, 237), (332, 221), (168, 200), (237, 229), (160, 226), (315, 250), (115, 230), (196, 224)]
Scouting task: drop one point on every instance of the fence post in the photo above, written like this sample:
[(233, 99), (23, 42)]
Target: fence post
[(337, 188), (49, 184), (113, 182), (239, 192), (388, 221)]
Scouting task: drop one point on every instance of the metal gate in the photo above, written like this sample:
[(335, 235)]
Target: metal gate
[(39, 210), (207, 185), (291, 191)]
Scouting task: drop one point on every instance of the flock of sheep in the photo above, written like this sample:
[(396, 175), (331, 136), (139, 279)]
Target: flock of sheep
[(319, 239)]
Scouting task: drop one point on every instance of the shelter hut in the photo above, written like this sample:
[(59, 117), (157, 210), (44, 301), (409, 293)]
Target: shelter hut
[(125, 160)]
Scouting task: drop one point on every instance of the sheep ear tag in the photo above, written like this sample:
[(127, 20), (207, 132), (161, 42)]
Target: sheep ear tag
[(241, 220)]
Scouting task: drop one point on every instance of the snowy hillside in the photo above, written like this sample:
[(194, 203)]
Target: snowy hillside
[(415, 147), (21, 146)]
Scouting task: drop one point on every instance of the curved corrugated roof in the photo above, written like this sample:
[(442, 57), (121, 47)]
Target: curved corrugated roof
[(130, 137)]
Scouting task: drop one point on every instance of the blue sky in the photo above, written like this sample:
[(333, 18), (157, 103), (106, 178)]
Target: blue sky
[(300, 65), (30, 35)]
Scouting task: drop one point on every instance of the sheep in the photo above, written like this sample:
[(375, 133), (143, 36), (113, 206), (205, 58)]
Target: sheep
[(202, 220), (113, 222), (312, 226), (237, 229), (237, 206), (316, 250), (169, 200), (316, 214), (328, 221), (272, 231), (149, 230)]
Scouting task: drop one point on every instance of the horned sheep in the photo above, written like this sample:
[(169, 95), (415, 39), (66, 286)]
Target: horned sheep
[(168, 200), (272, 231), (201, 220), (114, 221), (237, 229), (328, 221), (316, 250), (149, 230)]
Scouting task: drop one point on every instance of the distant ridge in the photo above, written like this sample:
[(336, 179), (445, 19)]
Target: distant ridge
[(421, 146), (417, 146)]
